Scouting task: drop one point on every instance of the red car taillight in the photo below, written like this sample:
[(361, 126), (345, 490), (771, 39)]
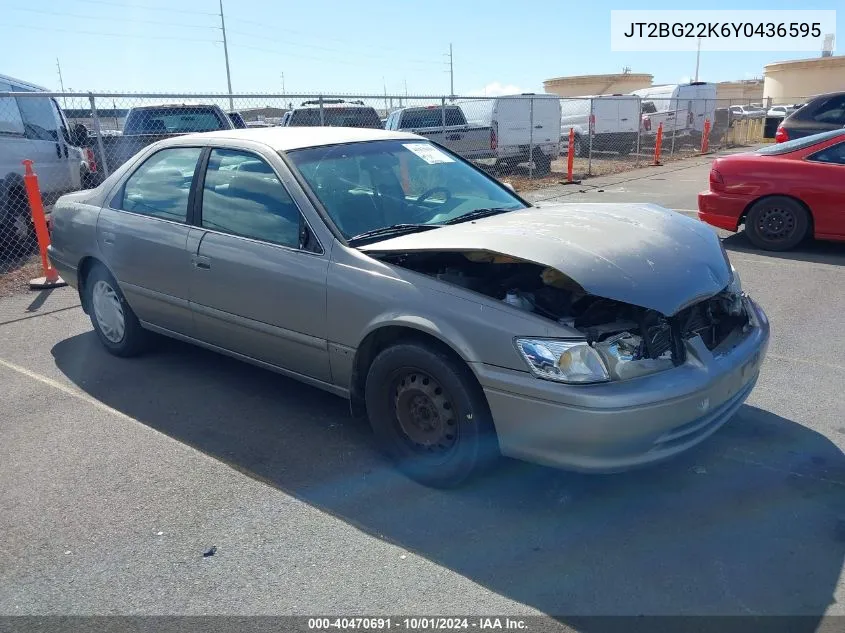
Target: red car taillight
[(91, 160), (646, 124), (781, 136), (717, 182)]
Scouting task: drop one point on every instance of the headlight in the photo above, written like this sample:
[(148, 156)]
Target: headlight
[(735, 286), (563, 361)]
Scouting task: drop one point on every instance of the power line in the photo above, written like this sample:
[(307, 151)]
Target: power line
[(106, 34), (146, 6), (105, 17), (326, 48)]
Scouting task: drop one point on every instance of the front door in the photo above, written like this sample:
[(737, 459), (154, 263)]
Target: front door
[(143, 233), (258, 284)]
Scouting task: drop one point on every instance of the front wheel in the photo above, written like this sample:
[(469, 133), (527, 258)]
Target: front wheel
[(429, 415), (115, 323), (542, 163), (777, 223)]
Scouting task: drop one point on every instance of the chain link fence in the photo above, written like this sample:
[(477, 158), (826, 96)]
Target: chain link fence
[(76, 140)]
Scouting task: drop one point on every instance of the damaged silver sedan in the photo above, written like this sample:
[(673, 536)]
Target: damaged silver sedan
[(462, 321)]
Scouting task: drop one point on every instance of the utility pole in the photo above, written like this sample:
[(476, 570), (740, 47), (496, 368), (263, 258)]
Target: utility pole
[(61, 83), (283, 84), (226, 53), (697, 59), (384, 84)]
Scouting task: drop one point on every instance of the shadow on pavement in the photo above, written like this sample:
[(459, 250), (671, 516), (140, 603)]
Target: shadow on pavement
[(750, 523), (816, 252)]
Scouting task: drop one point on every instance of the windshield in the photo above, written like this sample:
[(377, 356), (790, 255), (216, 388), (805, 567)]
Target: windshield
[(336, 117), (371, 185), (799, 143)]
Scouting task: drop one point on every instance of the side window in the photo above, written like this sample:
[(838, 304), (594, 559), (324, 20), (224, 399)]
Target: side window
[(834, 154), (39, 119), (832, 111), (161, 185), (243, 196), (10, 115), (454, 117)]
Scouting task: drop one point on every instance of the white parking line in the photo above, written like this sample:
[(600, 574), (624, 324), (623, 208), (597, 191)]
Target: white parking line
[(74, 393)]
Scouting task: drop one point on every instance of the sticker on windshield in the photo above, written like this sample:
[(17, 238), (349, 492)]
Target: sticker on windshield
[(429, 153)]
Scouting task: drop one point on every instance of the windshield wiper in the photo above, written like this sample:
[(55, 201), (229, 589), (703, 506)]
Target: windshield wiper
[(390, 231), (478, 213)]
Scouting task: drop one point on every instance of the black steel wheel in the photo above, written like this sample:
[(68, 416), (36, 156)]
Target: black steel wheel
[(777, 223), (429, 415)]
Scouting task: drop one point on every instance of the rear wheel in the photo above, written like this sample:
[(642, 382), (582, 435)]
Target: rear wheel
[(115, 323), (17, 232), (429, 415), (777, 223)]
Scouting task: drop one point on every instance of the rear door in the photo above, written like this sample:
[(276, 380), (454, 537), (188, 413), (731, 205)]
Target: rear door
[(512, 120), (546, 120), (258, 277), (605, 115), (142, 234)]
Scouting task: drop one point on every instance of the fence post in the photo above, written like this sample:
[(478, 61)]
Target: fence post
[(570, 154), (639, 129), (675, 127), (443, 113), (322, 114), (95, 119), (51, 278), (531, 138), (590, 126)]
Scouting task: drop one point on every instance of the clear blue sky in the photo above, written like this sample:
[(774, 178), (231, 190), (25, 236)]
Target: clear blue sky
[(342, 46)]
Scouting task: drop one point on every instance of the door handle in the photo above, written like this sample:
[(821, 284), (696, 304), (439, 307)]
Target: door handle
[(538, 127), (201, 261)]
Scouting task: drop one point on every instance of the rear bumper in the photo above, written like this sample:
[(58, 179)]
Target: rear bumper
[(721, 210), (67, 272), (621, 425)]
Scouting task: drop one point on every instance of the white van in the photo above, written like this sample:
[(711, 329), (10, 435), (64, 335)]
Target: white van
[(516, 123), (35, 128), (613, 120), (682, 108)]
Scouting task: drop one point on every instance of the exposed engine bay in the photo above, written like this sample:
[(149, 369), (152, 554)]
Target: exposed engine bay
[(616, 330)]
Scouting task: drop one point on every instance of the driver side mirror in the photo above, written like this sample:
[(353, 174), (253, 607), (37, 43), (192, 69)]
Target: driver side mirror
[(79, 135)]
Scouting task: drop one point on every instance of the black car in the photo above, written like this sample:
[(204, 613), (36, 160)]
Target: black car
[(820, 114)]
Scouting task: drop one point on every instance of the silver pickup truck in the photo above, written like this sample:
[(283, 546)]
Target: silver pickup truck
[(447, 126)]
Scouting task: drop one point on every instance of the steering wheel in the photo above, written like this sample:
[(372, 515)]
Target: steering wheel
[(425, 195)]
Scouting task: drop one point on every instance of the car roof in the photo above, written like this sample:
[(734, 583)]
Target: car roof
[(288, 138)]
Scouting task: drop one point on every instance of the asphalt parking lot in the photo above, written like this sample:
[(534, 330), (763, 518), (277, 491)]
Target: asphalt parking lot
[(116, 475)]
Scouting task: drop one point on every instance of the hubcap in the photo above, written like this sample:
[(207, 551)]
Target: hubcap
[(424, 412), (108, 311), (777, 224)]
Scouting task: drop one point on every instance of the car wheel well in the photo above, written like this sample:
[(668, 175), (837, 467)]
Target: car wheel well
[(804, 205), (82, 271), (379, 340)]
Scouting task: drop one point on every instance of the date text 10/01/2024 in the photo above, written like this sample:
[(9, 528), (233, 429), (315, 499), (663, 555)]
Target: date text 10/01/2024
[(417, 624)]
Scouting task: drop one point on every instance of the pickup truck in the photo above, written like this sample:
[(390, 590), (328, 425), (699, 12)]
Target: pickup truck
[(145, 125), (447, 126)]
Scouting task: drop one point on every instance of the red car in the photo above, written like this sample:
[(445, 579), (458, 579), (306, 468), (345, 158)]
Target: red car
[(782, 193)]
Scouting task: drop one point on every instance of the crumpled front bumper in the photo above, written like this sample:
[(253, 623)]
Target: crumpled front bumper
[(615, 426)]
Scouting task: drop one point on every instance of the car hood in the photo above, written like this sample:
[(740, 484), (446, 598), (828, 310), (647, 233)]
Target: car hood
[(639, 254)]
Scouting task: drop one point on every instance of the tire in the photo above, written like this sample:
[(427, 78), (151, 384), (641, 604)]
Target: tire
[(17, 231), (777, 223), (115, 323), (542, 163), (429, 415)]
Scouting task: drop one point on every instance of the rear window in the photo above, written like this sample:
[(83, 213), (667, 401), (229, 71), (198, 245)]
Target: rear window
[(173, 121), (336, 117), (799, 143), (431, 117)]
